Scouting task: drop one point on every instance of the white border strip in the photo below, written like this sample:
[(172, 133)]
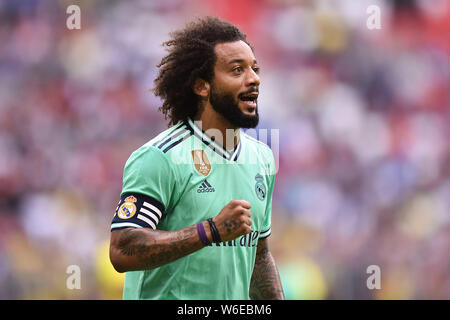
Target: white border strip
[(124, 224)]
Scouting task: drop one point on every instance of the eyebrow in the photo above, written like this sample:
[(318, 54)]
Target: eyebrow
[(240, 61)]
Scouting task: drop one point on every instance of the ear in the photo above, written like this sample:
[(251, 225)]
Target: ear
[(201, 88)]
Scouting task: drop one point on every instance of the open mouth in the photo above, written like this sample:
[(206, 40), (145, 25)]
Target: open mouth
[(249, 100)]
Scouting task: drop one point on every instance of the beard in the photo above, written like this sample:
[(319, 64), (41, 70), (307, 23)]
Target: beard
[(225, 104)]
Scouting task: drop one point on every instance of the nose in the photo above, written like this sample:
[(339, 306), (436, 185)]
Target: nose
[(252, 78)]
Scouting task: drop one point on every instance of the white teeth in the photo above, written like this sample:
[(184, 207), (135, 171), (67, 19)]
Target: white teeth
[(251, 103)]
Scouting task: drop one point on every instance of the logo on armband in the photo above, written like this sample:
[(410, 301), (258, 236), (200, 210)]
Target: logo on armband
[(128, 208)]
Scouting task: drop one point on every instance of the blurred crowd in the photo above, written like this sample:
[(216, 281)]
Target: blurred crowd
[(364, 155)]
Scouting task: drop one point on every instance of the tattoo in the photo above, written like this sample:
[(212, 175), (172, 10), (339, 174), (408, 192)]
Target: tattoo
[(230, 225), (132, 243), (155, 248), (265, 283)]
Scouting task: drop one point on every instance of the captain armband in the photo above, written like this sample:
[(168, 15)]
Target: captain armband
[(138, 211)]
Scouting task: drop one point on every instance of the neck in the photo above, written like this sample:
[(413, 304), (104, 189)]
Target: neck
[(217, 127)]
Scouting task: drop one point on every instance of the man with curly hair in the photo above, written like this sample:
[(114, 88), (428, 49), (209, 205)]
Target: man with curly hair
[(194, 216)]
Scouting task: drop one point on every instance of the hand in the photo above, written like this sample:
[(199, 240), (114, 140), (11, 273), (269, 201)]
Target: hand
[(234, 220)]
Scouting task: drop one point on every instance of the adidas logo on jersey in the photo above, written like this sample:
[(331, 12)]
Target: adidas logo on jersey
[(205, 187)]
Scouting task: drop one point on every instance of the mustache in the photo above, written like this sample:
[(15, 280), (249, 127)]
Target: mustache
[(251, 90)]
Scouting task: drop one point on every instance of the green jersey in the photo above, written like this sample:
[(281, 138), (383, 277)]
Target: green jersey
[(180, 178)]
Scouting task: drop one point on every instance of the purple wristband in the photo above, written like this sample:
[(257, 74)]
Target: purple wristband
[(202, 234)]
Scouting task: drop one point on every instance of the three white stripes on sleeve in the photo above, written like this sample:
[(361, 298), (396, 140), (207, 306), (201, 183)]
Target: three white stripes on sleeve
[(149, 210)]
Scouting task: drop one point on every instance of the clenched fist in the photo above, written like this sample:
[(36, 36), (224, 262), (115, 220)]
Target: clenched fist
[(234, 220)]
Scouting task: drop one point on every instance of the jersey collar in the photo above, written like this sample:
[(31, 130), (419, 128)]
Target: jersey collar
[(231, 155)]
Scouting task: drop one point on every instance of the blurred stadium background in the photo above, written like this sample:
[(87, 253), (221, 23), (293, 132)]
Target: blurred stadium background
[(364, 161)]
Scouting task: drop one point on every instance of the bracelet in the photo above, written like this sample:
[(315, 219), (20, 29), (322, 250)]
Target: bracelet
[(214, 232), (202, 234)]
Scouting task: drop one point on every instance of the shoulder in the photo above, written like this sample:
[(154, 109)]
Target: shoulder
[(263, 153), (255, 142), (157, 150), (257, 146), (160, 145)]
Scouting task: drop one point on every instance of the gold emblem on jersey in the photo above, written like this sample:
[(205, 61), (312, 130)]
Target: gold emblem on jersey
[(201, 162)]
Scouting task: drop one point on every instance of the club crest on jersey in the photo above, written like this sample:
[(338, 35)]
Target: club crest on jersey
[(260, 187), (127, 209), (201, 162)]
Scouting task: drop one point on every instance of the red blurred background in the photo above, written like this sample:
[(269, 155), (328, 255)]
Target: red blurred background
[(363, 117)]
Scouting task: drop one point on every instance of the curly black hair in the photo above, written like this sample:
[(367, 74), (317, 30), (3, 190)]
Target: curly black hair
[(191, 56)]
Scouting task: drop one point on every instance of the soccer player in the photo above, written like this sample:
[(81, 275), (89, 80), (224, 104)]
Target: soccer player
[(195, 212)]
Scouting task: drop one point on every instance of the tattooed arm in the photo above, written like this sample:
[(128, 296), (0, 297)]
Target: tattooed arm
[(138, 249), (144, 248), (265, 283)]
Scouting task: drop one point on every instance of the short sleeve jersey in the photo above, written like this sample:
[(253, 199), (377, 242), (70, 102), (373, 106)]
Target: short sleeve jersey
[(180, 178)]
